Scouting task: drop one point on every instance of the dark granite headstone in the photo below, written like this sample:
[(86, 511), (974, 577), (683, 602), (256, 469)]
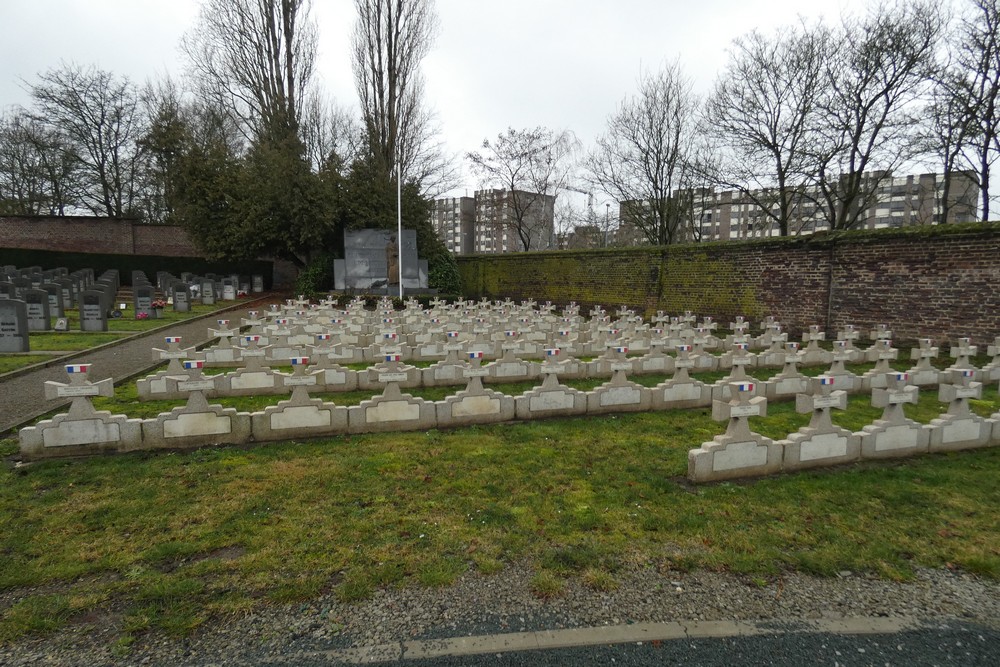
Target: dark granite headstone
[(93, 314), (13, 326), (55, 299), (142, 297), (182, 298), (36, 304)]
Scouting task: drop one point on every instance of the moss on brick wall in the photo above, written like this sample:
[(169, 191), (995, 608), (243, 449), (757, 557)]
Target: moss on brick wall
[(941, 281)]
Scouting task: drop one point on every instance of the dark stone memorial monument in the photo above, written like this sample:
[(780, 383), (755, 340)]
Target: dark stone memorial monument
[(372, 259)]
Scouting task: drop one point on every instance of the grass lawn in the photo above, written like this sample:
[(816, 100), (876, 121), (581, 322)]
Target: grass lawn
[(11, 362), (172, 540)]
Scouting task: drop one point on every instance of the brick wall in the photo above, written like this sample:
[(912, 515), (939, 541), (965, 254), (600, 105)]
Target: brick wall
[(95, 235), (942, 282)]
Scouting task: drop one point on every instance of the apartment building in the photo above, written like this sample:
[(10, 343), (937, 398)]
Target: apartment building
[(487, 223), (454, 220)]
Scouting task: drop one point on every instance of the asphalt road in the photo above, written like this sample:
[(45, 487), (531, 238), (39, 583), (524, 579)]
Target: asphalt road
[(954, 643)]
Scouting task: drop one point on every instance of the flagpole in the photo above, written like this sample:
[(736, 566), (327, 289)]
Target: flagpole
[(399, 225)]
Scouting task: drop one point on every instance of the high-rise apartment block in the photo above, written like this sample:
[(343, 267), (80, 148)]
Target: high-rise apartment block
[(492, 221)]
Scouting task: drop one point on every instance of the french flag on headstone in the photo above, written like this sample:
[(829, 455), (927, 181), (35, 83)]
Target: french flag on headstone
[(621, 350), (393, 357), (251, 339), (743, 347), (78, 368), (967, 373), (300, 361), (196, 364), (172, 339), (510, 334), (552, 352), (223, 323), (902, 377), (744, 386), (452, 334), (389, 336), (282, 320), (826, 380), (253, 314), (793, 346), (683, 348), (336, 320), (322, 336), (565, 332), (386, 320), (435, 320), (476, 355)]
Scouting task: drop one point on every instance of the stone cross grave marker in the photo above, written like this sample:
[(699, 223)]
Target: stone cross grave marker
[(894, 435), (924, 373), (739, 452), (820, 443), (959, 428)]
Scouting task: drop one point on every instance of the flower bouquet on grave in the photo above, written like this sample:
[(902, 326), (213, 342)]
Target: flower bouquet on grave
[(158, 305), (141, 315)]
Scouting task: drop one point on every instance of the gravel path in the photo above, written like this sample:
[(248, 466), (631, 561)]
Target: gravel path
[(24, 394), (503, 603)]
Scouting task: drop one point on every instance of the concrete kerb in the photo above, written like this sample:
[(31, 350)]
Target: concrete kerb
[(615, 634), (90, 350)]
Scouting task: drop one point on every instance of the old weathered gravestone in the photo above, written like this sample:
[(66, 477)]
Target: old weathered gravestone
[(36, 302), (182, 298), (93, 315), (13, 326)]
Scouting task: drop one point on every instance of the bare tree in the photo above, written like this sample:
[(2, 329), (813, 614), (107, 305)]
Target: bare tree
[(978, 56), (95, 116), (874, 81), (644, 161), (331, 134), (391, 37), (254, 58), (763, 113), (530, 167)]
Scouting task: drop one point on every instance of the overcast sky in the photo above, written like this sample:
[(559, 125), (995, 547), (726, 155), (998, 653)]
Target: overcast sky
[(563, 64)]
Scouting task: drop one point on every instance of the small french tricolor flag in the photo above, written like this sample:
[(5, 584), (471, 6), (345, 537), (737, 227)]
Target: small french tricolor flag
[(743, 347), (282, 320), (336, 320), (393, 357), (826, 380), (435, 320), (524, 320), (386, 320), (172, 339), (223, 323), (658, 332), (683, 348), (300, 313), (322, 336), (744, 386), (621, 350), (510, 334), (476, 355), (614, 332), (196, 364), (389, 336), (253, 313), (552, 352), (886, 342), (251, 339), (564, 332), (967, 373), (78, 368), (902, 377), (300, 361), (452, 334), (793, 346)]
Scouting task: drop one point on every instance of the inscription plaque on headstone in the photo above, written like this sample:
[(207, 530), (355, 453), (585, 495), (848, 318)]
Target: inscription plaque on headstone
[(143, 298)]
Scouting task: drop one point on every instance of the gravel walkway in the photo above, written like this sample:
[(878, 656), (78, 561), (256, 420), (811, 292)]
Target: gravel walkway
[(24, 393), (503, 603)]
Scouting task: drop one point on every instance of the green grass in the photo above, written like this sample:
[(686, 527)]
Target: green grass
[(11, 362), (172, 541), (178, 539)]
